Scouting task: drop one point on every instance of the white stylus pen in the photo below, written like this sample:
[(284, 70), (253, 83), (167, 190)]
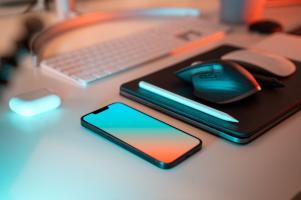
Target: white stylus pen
[(187, 102)]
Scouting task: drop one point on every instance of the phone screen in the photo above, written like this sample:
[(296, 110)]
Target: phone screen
[(149, 135)]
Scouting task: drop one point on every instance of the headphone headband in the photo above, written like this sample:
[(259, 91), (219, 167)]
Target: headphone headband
[(42, 39)]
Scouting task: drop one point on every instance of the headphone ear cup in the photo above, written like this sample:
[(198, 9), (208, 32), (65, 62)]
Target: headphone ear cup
[(7, 65), (9, 61)]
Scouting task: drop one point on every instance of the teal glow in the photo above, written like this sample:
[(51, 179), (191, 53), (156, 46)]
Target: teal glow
[(200, 68), (149, 135), (187, 102), (225, 84), (34, 107), (172, 12)]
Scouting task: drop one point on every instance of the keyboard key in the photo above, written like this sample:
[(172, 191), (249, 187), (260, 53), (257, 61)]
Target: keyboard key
[(95, 62)]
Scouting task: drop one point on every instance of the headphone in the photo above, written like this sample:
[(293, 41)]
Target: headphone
[(41, 40), (9, 61)]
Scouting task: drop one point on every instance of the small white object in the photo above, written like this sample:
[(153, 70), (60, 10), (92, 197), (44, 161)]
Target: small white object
[(273, 63), (92, 63), (187, 102), (34, 102), (283, 44)]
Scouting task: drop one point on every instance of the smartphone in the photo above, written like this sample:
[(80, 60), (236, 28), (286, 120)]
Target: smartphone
[(153, 140)]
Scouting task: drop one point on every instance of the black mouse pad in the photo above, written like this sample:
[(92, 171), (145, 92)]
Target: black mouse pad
[(256, 114)]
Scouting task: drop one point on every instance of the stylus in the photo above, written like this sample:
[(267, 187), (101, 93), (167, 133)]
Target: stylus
[(187, 102)]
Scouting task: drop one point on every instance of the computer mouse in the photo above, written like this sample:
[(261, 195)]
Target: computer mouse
[(220, 81), (275, 64), (266, 26)]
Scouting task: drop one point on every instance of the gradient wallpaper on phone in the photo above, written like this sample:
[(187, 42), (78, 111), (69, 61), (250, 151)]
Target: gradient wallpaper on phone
[(153, 137)]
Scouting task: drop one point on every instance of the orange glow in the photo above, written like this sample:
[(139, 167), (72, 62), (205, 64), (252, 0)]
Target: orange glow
[(198, 43), (165, 150), (251, 77), (93, 18)]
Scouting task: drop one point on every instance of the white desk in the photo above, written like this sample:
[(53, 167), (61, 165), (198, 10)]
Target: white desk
[(52, 157)]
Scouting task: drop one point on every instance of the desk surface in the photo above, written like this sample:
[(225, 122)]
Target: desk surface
[(53, 157)]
